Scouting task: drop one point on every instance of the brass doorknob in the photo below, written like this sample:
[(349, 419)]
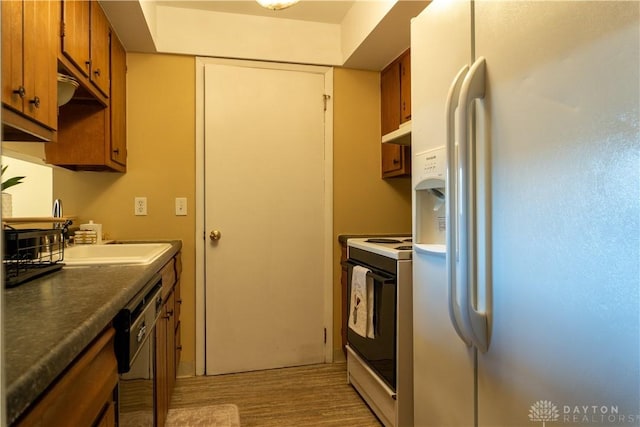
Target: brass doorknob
[(215, 235)]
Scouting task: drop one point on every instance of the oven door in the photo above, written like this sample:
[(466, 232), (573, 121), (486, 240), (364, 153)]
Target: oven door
[(380, 352), (136, 388)]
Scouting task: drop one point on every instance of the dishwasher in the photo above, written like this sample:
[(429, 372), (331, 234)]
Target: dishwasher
[(135, 352)]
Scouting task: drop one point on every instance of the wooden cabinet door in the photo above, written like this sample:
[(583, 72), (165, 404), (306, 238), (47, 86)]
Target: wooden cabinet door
[(118, 104), (178, 345), (171, 346), (344, 273), (178, 306), (405, 87), (391, 159), (12, 84), (75, 33), (396, 160), (40, 50), (161, 395), (108, 418), (29, 66), (80, 395), (165, 358), (390, 98), (99, 70)]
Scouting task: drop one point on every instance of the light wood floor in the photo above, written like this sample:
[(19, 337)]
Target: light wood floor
[(316, 395)]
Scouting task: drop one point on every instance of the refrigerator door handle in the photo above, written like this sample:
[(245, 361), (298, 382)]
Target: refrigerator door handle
[(473, 87), (455, 313)]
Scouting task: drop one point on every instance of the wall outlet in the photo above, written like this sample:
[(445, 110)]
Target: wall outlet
[(181, 206), (140, 206)]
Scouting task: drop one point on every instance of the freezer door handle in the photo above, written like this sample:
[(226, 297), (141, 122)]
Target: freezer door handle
[(473, 87), (455, 313)]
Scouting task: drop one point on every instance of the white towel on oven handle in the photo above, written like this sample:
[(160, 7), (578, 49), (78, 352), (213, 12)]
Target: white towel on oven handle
[(358, 307)]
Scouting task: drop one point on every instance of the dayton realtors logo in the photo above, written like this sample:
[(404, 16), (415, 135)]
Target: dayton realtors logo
[(546, 411)]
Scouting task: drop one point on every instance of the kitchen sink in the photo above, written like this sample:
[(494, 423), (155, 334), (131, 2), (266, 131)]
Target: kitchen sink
[(118, 253)]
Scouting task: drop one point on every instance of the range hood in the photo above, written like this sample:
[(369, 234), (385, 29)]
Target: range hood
[(401, 136)]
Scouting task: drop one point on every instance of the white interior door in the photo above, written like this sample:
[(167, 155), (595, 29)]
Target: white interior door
[(265, 194)]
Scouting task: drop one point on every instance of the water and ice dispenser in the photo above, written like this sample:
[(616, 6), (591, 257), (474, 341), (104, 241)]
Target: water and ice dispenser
[(430, 211)]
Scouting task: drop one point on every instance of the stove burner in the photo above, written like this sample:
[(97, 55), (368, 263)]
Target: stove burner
[(404, 248), (383, 241)]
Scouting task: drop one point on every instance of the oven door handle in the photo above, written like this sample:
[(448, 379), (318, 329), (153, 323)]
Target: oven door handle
[(380, 278), (373, 273)]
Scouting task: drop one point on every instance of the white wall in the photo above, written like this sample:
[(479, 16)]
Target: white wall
[(33, 197), (229, 35)]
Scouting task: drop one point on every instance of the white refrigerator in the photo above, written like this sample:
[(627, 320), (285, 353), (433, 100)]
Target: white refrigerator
[(525, 116)]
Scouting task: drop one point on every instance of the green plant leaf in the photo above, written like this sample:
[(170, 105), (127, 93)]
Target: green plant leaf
[(11, 181)]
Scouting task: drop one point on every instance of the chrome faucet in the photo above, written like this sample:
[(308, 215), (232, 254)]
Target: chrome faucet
[(57, 212)]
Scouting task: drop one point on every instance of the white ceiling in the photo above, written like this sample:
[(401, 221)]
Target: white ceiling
[(363, 34), (328, 12)]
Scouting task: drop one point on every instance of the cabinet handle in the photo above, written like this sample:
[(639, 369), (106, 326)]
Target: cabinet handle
[(20, 91), (97, 72), (169, 314), (35, 101), (396, 161), (180, 301), (179, 347), (116, 151)]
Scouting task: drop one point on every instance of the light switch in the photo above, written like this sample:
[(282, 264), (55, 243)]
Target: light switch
[(181, 206)]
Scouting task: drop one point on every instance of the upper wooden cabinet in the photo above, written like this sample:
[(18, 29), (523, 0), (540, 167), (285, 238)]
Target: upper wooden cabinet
[(92, 127), (84, 46), (395, 92), (76, 18), (396, 160), (390, 98), (395, 109), (118, 103), (405, 87), (99, 36), (29, 78), (91, 136)]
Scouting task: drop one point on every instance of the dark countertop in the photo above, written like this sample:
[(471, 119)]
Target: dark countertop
[(50, 320)]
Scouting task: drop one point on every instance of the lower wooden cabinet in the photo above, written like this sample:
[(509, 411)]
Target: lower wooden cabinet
[(84, 393), (162, 385), (108, 417), (344, 272), (168, 339)]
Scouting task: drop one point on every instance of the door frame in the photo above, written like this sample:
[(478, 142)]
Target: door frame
[(200, 236)]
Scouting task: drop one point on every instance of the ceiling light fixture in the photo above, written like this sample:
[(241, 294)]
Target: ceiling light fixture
[(277, 4)]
